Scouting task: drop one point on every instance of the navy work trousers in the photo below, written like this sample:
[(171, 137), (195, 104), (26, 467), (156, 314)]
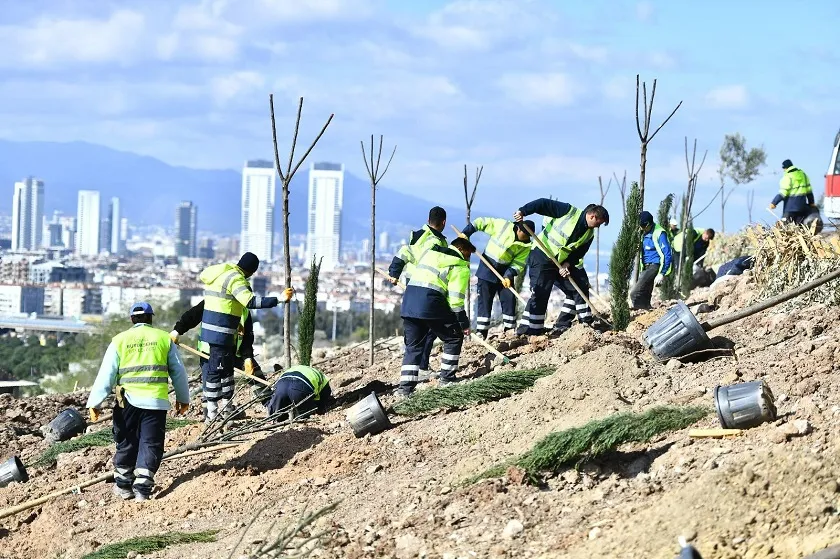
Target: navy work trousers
[(416, 333), (217, 379), (574, 304), (139, 435)]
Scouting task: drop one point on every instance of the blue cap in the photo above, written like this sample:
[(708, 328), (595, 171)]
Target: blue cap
[(141, 308)]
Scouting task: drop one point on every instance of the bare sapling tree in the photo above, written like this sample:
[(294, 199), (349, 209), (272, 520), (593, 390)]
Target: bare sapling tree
[(738, 164), (643, 128), (604, 192), (286, 179), (375, 176), (622, 191), (469, 198), (693, 170), (750, 203)]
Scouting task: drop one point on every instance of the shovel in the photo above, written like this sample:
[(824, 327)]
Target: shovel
[(679, 332), (236, 371)]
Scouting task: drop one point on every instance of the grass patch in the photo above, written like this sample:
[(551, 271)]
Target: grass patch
[(572, 446), (99, 438), (150, 544), (484, 389)]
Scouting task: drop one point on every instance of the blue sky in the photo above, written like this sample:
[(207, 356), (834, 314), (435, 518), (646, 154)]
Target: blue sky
[(541, 93)]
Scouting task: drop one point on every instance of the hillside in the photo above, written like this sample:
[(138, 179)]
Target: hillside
[(770, 492)]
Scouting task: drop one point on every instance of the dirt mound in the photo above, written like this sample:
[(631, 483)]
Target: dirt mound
[(22, 419)]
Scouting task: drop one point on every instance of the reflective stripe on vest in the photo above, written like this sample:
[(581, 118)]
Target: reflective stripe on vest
[(143, 354), (204, 347), (316, 379), (794, 183), (447, 274), (222, 311), (656, 235), (419, 249), (556, 232), (506, 250)]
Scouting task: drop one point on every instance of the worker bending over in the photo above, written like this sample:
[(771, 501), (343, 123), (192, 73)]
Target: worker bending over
[(137, 367), (507, 251), (795, 191), (700, 237), (567, 234), (434, 302), (422, 240), (226, 296), (306, 388), (655, 261)]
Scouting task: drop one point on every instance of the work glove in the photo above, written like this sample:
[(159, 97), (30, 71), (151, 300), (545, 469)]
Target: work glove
[(658, 280), (181, 408), (288, 293), (506, 283), (394, 281), (564, 270), (174, 336), (94, 414), (772, 206), (249, 366)]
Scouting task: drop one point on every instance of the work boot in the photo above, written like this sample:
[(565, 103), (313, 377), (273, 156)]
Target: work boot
[(557, 332), (448, 382), (481, 334), (423, 376), (124, 494), (402, 394), (141, 497)]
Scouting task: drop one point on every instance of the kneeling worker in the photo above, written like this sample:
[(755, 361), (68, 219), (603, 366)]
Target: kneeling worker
[(304, 387), (137, 365)]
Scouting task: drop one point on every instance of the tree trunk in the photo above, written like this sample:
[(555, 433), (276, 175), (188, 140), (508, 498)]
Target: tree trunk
[(372, 261), (469, 283), (722, 211), (642, 164), (287, 257)]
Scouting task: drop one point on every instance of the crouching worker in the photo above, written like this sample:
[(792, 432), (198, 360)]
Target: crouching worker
[(306, 388), (137, 367)]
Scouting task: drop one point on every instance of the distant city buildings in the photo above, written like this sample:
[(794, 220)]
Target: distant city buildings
[(258, 194), (326, 198), (186, 222), (87, 223), (384, 241), (27, 214)]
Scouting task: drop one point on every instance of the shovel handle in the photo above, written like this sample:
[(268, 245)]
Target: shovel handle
[(492, 349), (236, 371), (492, 269), (387, 275), (571, 280)]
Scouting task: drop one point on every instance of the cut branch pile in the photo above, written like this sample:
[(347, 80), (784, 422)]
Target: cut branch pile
[(789, 255), (485, 389), (573, 446), (727, 247)]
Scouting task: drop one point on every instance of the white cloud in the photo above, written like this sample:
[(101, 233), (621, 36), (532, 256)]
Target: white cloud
[(728, 97), (644, 11), (553, 89), (257, 13), (226, 88), (619, 87), (589, 53)]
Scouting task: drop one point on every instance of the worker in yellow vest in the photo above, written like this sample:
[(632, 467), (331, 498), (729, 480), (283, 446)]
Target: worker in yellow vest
[(137, 367), (306, 388), (796, 193)]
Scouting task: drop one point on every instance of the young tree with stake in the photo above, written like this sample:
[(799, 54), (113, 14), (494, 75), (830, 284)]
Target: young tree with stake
[(643, 128), (469, 198)]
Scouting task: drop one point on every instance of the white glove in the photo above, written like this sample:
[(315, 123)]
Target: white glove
[(174, 336), (659, 279)]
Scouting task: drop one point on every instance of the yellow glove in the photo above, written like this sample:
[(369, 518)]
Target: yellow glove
[(288, 293), (94, 415), (249, 366), (772, 206), (174, 336), (181, 408), (506, 283)]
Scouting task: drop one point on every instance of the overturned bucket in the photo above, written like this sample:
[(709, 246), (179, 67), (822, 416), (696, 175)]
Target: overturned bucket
[(678, 332), (744, 405), (368, 416), (66, 425), (12, 470)]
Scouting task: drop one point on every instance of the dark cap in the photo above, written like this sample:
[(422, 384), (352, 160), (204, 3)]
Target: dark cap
[(645, 218), (787, 163), (249, 263), (530, 225)]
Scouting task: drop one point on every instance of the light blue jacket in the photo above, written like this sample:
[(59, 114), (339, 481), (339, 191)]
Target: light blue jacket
[(106, 379)]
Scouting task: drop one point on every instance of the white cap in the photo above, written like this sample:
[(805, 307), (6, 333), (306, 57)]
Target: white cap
[(673, 222)]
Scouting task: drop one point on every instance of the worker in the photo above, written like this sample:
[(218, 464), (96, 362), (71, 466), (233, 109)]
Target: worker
[(795, 191), (136, 367), (306, 388), (673, 228), (226, 295), (434, 302), (572, 307), (422, 240), (702, 238), (567, 234), (655, 261), (507, 251)]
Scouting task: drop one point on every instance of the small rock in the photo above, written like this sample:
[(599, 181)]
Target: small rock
[(738, 540), (375, 468), (673, 365), (832, 487), (777, 436), (797, 428), (570, 476), (690, 535), (594, 533), (577, 394), (131, 555), (445, 490), (319, 481), (82, 504), (513, 528), (408, 546)]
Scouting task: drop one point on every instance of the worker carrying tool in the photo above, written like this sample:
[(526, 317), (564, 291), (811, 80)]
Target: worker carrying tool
[(572, 307), (434, 302), (422, 240), (568, 233), (226, 295), (307, 388), (136, 367), (507, 251), (701, 238), (655, 262), (795, 191)]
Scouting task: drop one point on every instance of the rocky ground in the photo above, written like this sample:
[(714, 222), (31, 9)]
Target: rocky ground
[(770, 492)]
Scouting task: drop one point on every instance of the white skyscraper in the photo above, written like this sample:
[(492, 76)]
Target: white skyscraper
[(28, 214), (115, 238), (326, 198), (258, 188), (87, 223)]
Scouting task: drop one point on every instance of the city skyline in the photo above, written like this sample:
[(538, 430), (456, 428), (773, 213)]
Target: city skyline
[(27, 214), (325, 202), (87, 223), (186, 224), (259, 179)]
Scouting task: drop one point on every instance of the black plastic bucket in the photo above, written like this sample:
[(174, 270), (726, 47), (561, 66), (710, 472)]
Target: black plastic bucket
[(12, 470), (368, 416), (678, 332), (66, 425), (744, 405)]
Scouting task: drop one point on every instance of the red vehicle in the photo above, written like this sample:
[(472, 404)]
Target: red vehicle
[(831, 205)]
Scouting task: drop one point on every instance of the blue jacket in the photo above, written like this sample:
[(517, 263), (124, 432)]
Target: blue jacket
[(650, 254), (553, 208)]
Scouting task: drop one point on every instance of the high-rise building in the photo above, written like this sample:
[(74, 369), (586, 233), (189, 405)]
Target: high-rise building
[(87, 223), (326, 198), (68, 231), (115, 240), (123, 233), (28, 214), (384, 241), (186, 219), (258, 189)]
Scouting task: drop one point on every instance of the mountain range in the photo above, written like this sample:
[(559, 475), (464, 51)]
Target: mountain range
[(150, 189)]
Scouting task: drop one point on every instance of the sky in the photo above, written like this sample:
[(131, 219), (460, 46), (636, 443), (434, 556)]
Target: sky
[(541, 93)]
